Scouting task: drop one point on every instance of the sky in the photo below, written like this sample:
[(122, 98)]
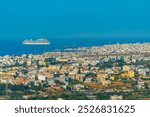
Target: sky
[(74, 18)]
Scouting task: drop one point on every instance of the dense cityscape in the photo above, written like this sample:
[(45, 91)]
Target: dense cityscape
[(109, 72)]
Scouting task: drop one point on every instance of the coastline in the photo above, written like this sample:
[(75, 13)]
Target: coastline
[(16, 47)]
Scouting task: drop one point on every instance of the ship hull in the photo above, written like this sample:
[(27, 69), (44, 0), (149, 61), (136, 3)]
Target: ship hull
[(36, 43)]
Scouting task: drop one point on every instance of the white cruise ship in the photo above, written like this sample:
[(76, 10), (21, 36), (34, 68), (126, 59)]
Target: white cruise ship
[(36, 42)]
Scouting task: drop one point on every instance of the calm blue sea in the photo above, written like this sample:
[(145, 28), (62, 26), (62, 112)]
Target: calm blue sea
[(14, 46)]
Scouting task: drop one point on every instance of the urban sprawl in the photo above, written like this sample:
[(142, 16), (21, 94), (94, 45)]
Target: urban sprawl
[(110, 72)]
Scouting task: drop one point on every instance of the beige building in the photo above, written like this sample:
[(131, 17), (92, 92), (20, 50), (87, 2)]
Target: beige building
[(126, 68)]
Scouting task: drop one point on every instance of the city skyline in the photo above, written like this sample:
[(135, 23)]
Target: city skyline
[(76, 19), (110, 72)]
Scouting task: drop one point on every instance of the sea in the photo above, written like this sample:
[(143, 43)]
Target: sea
[(15, 46)]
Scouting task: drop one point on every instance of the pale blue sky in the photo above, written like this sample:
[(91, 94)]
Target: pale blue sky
[(74, 18)]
